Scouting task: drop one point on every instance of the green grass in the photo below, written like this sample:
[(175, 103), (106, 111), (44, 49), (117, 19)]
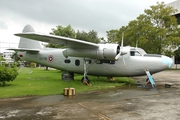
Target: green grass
[(42, 82)]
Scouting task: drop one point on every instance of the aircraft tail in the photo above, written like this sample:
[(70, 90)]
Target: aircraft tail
[(26, 43)]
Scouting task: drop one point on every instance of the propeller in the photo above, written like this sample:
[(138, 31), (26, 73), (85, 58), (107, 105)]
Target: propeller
[(121, 51), (119, 54), (124, 61)]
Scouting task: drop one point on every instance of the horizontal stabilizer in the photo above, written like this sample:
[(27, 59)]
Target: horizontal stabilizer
[(24, 49)]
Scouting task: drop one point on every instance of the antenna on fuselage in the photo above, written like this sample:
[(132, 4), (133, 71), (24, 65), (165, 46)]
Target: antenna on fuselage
[(136, 43)]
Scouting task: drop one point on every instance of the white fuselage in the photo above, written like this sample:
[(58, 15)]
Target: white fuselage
[(132, 66)]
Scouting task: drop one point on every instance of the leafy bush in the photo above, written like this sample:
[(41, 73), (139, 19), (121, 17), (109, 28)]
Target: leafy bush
[(7, 74)]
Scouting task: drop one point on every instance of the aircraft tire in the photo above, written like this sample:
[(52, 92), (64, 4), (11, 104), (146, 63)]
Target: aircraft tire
[(67, 76), (86, 79)]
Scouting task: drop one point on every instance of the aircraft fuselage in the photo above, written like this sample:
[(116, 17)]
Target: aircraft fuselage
[(135, 65)]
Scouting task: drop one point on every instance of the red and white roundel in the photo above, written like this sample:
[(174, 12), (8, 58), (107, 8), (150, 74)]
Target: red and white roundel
[(50, 58)]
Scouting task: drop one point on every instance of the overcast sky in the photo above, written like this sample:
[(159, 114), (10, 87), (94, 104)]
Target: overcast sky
[(43, 15)]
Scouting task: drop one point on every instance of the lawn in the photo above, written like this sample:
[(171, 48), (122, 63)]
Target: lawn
[(38, 82)]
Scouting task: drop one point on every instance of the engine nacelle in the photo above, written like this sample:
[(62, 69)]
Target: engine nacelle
[(108, 51), (103, 52)]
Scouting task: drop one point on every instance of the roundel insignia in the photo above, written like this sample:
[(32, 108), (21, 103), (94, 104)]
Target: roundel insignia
[(50, 58)]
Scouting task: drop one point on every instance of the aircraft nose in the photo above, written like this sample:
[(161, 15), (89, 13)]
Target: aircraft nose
[(167, 61)]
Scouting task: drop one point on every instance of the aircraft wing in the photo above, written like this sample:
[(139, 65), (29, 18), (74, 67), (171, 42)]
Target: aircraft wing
[(24, 49), (62, 41)]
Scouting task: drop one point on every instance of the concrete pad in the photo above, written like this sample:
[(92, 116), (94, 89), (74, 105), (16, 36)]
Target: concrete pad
[(126, 103)]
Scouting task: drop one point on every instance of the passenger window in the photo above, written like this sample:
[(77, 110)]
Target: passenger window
[(77, 62), (67, 61)]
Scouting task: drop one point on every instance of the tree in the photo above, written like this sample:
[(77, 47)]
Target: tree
[(50, 45), (7, 74), (93, 35), (112, 36), (1, 58), (162, 28), (64, 31), (156, 31), (67, 31), (15, 57), (177, 57), (82, 36), (177, 52)]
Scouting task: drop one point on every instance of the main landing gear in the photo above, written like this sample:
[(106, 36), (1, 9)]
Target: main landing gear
[(85, 79), (111, 78)]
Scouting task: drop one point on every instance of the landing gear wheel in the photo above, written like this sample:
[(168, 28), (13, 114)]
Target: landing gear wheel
[(110, 78), (85, 80)]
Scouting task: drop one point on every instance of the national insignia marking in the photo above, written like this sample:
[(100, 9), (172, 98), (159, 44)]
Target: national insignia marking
[(50, 58)]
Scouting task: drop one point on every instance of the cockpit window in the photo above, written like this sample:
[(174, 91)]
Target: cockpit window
[(137, 52), (132, 53), (141, 51)]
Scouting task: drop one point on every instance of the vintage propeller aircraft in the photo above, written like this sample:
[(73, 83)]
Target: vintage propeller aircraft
[(88, 58)]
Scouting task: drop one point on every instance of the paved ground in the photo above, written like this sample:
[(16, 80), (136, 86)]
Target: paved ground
[(130, 103)]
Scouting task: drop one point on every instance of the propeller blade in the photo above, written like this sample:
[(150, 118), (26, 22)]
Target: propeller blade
[(117, 56), (124, 61), (122, 40)]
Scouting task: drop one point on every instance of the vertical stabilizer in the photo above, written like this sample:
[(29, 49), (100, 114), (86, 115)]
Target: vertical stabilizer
[(29, 43)]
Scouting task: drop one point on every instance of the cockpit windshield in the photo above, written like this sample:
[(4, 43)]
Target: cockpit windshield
[(137, 52)]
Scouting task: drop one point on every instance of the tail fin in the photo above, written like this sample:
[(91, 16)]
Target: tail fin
[(29, 43)]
